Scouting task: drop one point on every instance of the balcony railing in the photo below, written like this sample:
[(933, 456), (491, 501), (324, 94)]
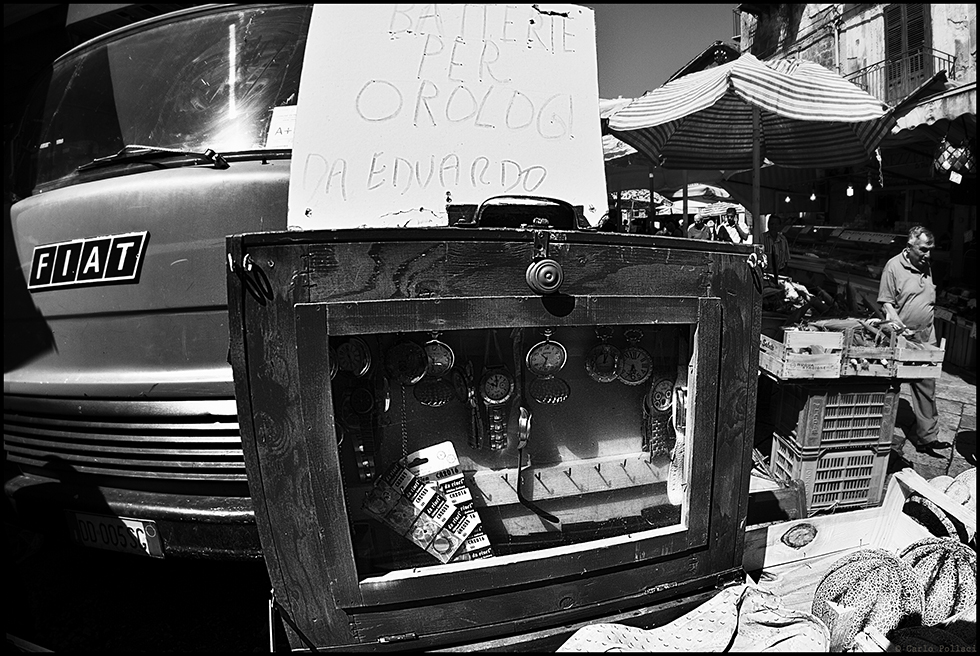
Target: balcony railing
[(893, 79)]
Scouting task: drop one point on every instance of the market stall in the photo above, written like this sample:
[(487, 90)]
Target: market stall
[(580, 403)]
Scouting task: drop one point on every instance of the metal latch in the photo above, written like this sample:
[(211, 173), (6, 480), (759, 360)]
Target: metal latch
[(544, 275)]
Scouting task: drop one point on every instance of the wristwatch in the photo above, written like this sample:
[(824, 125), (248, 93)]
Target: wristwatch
[(496, 389)]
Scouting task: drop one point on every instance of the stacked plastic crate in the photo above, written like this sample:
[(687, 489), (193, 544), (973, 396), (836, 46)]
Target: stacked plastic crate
[(835, 438)]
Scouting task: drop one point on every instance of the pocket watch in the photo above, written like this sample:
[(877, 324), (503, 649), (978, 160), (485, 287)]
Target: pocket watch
[(550, 391), (602, 361), (433, 392), (354, 356), (464, 392), (544, 360), (635, 364), (405, 362), (440, 357)]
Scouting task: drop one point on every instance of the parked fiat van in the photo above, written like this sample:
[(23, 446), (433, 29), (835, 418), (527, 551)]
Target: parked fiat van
[(140, 152)]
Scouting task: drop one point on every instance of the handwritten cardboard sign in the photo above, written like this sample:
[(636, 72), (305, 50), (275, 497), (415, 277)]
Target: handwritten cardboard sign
[(405, 108)]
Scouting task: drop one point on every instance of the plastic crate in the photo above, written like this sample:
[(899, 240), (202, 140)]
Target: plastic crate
[(844, 414), (838, 478)]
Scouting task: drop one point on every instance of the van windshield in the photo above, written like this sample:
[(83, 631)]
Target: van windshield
[(222, 79)]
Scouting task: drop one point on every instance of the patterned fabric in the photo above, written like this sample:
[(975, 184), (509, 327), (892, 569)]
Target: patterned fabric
[(810, 117), (741, 618)]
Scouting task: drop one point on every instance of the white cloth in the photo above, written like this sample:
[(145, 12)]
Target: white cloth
[(739, 618)]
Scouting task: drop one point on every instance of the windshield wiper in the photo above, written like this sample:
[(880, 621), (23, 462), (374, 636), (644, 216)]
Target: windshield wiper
[(138, 153)]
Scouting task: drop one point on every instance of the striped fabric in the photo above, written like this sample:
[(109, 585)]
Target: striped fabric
[(810, 117)]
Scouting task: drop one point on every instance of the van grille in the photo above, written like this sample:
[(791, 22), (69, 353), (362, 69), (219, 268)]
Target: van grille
[(194, 440)]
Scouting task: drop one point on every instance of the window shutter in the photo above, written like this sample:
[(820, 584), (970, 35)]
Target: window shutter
[(894, 41), (915, 29)]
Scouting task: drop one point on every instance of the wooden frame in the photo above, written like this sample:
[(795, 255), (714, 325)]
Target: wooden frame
[(289, 291)]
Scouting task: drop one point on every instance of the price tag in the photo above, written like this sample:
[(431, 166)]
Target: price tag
[(955, 177)]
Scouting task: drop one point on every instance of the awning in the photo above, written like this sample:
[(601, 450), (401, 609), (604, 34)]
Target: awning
[(951, 114)]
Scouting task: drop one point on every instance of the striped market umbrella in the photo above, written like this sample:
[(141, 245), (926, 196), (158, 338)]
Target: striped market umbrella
[(794, 113)]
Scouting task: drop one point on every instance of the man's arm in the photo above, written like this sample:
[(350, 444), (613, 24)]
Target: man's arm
[(891, 314), (743, 234)]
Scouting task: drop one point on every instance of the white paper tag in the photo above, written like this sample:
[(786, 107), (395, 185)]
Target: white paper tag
[(955, 177), (280, 133)]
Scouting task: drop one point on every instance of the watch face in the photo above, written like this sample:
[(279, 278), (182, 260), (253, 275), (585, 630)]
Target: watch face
[(405, 362), (635, 365), (546, 358), (661, 395), (602, 363), (496, 386), (354, 356), (440, 358)]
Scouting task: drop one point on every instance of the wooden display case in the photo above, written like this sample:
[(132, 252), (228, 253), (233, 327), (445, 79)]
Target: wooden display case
[(604, 493)]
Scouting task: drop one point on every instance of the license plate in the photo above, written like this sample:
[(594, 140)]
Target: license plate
[(135, 536)]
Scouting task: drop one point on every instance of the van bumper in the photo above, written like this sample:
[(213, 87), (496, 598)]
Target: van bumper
[(212, 527)]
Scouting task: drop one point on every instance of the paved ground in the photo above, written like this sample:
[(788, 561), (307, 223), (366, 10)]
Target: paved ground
[(956, 394)]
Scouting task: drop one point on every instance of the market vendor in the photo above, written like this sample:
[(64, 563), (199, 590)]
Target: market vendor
[(775, 246), (907, 295)]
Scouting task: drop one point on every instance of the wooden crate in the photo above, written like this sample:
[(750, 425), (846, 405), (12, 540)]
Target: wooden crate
[(803, 354), (897, 359), (961, 342), (868, 361), (918, 360), (794, 573)]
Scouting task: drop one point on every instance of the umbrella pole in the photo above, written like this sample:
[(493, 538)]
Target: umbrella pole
[(685, 202), (757, 227)]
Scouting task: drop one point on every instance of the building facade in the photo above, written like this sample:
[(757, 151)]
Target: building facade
[(921, 57)]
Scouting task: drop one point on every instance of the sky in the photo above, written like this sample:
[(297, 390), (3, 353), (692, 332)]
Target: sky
[(639, 46)]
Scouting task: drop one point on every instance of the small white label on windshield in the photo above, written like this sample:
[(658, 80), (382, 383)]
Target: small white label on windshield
[(281, 127)]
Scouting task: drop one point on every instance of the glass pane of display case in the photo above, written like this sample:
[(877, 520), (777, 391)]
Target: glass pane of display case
[(466, 446), (442, 453)]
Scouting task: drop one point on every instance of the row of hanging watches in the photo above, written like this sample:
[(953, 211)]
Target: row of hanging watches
[(355, 406), (633, 365), (605, 363), (430, 370)]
